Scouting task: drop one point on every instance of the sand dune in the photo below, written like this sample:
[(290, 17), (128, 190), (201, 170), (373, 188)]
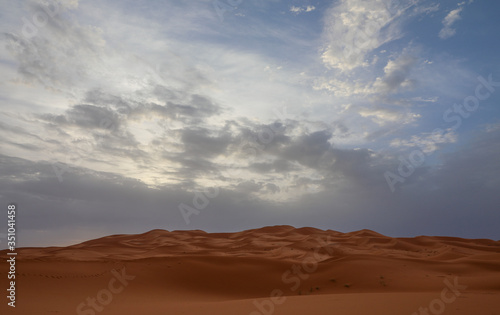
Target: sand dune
[(272, 270)]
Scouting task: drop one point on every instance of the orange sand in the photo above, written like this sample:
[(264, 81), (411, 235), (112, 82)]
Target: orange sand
[(272, 270)]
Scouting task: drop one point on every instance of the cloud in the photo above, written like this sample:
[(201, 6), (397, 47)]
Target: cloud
[(379, 99), (436, 200), (298, 10), (447, 31), (453, 16), (58, 55), (470, 172), (276, 166), (344, 87), (200, 142), (85, 116), (309, 149), (169, 127), (249, 186), (353, 28), (140, 106), (431, 8), (396, 74), (428, 142), (383, 115)]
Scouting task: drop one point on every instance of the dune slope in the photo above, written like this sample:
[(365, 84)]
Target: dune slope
[(272, 270)]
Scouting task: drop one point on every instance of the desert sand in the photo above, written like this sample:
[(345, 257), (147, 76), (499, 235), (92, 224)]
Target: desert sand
[(272, 270)]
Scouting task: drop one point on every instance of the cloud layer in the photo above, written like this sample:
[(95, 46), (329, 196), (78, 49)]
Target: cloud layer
[(129, 113)]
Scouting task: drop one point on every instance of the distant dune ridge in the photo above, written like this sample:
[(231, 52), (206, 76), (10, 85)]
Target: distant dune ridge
[(271, 270)]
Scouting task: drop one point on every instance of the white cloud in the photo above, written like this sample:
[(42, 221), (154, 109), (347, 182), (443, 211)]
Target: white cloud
[(396, 76), (343, 88), (425, 100), (298, 10), (382, 116), (65, 4), (427, 9), (447, 31), (354, 28), (428, 142)]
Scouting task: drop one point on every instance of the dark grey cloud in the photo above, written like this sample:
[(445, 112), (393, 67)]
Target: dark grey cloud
[(192, 168), (200, 142), (101, 132), (473, 168), (398, 71), (104, 122), (310, 149), (457, 197), (25, 146), (11, 135), (315, 151), (120, 104), (264, 135), (85, 116), (183, 107), (340, 130), (277, 166), (249, 186), (272, 188)]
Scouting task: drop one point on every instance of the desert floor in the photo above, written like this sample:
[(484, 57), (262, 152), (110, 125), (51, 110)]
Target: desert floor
[(272, 270)]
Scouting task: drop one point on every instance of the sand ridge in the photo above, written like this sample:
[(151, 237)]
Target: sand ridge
[(277, 242), (195, 271)]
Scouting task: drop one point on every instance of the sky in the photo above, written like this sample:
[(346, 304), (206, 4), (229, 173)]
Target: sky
[(119, 117)]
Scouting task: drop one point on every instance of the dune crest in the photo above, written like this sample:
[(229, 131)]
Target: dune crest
[(176, 270)]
